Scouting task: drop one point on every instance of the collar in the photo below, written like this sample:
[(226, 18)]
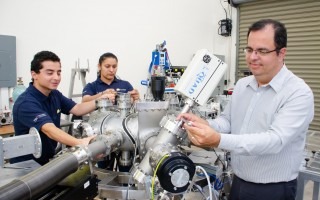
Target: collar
[(36, 93), (280, 79), (276, 83), (101, 82)]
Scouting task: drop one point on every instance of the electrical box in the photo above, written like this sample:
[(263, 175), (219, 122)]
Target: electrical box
[(225, 27), (8, 70)]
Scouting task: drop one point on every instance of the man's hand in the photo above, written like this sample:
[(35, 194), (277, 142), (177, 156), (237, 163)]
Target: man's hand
[(202, 134), (191, 118), (199, 131), (86, 141)]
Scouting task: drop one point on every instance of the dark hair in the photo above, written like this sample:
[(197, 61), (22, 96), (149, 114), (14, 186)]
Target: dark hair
[(105, 56), (280, 32), (36, 63)]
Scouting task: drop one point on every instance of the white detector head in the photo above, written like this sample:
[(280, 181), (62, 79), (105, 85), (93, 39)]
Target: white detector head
[(201, 77)]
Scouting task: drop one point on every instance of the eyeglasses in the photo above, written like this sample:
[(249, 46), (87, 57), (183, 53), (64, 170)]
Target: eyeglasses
[(260, 52)]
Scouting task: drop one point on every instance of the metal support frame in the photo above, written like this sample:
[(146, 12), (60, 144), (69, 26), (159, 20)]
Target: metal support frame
[(310, 171), (306, 175), (12, 147), (82, 75)]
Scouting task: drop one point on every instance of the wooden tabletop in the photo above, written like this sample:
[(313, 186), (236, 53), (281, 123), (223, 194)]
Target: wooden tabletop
[(6, 130)]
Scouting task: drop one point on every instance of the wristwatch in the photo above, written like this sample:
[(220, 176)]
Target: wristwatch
[(97, 103)]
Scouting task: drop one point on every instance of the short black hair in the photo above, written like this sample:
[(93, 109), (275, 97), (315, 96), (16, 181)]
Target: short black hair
[(36, 63), (280, 31)]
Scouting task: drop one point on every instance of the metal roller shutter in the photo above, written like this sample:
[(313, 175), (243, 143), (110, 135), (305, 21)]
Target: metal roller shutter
[(302, 20)]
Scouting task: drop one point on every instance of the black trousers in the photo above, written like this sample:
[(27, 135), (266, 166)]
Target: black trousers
[(243, 190)]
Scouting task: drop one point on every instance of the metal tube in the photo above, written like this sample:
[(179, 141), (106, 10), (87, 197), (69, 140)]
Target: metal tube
[(37, 182), (34, 184), (98, 147), (164, 137)]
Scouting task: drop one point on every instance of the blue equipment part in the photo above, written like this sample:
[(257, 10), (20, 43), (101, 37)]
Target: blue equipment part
[(218, 184), (160, 57), (144, 82)]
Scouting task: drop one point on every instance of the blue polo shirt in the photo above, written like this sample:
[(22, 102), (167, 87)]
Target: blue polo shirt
[(97, 86), (34, 109)]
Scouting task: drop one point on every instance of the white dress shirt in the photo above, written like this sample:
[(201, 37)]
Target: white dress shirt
[(268, 126)]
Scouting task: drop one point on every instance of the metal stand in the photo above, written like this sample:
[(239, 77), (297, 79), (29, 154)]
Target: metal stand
[(82, 75), (309, 173)]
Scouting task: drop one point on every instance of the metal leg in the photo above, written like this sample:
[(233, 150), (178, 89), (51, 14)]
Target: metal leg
[(300, 189), (315, 195)]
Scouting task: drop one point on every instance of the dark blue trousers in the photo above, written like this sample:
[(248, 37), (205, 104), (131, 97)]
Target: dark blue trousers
[(243, 190)]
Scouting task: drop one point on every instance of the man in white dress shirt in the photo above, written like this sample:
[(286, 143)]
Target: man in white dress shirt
[(264, 126)]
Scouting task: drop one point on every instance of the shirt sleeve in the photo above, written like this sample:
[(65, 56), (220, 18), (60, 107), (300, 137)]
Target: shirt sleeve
[(129, 86), (66, 103), (88, 90)]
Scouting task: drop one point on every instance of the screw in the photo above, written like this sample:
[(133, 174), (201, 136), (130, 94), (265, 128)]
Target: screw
[(313, 153), (307, 160)]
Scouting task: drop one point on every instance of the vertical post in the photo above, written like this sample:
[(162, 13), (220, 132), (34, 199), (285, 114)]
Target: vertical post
[(4, 98), (82, 76)]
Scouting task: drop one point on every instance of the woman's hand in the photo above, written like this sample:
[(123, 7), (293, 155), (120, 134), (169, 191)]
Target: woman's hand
[(109, 94), (134, 94)]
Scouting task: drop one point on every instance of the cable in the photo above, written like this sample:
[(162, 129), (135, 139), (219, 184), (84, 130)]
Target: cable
[(200, 190), (208, 180), (224, 9), (223, 164), (220, 193), (225, 25), (127, 131), (155, 173), (230, 11)]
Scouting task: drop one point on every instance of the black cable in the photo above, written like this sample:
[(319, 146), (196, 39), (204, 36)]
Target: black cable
[(224, 175), (223, 164), (229, 10), (224, 9), (225, 25)]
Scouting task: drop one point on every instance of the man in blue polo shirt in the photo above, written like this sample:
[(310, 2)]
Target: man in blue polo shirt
[(108, 84), (41, 105)]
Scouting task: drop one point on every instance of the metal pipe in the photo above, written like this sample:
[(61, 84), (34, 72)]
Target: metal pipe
[(164, 137), (34, 184), (98, 147)]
